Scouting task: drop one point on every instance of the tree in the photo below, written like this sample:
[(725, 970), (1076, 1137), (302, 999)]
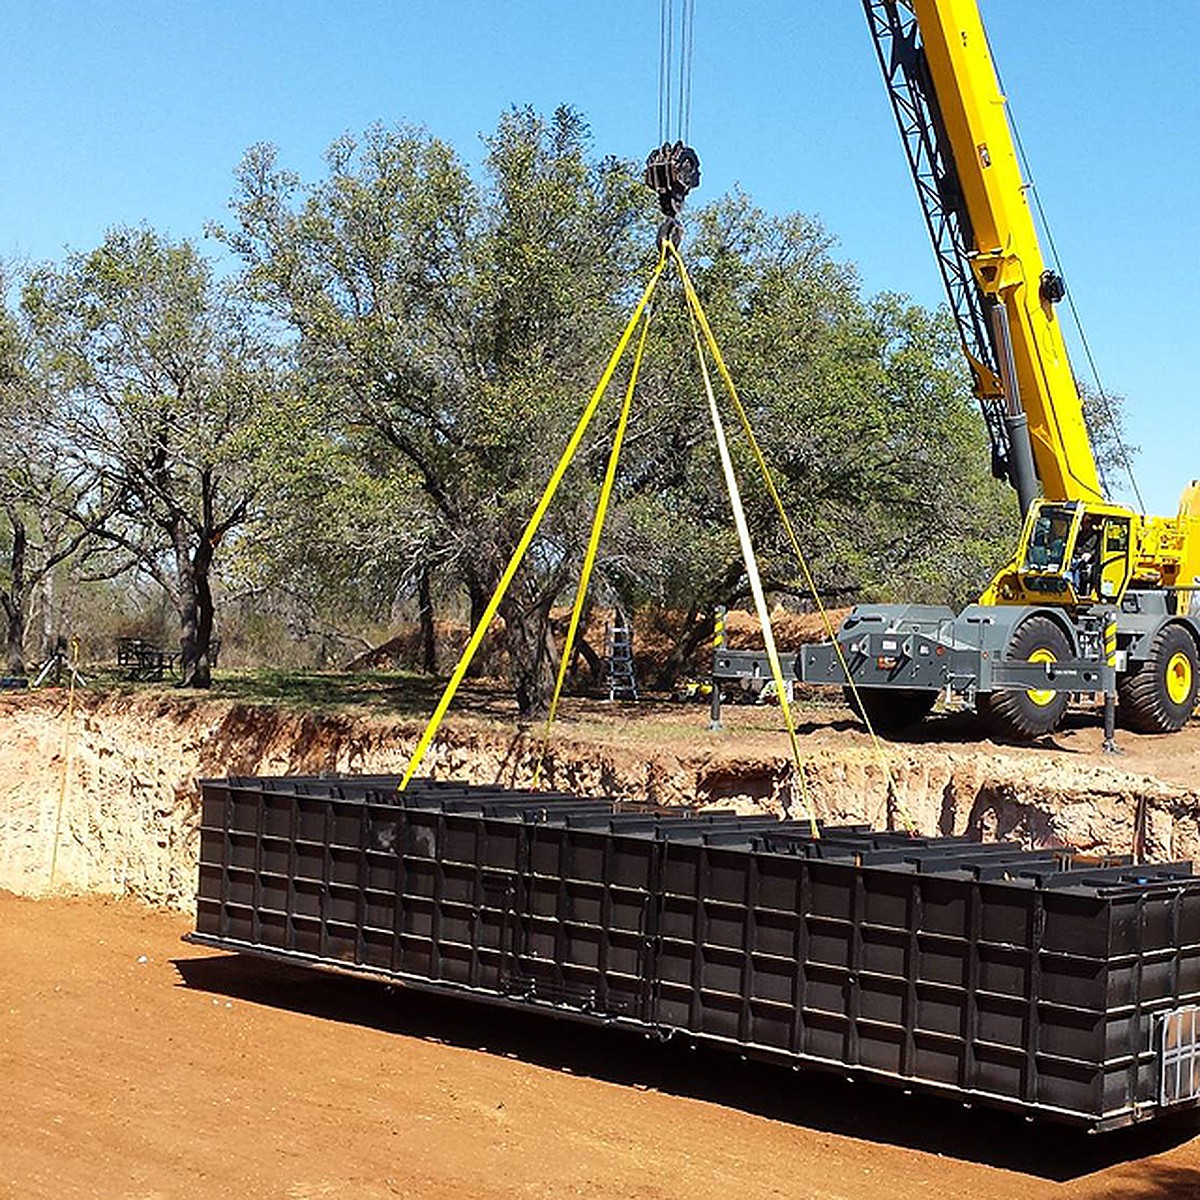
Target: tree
[(14, 590), (166, 386), (862, 410), (1105, 413), (349, 536), (49, 507), (458, 325), (454, 329)]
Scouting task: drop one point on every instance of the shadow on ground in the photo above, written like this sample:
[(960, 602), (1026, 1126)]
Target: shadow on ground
[(968, 729), (816, 1101), (956, 728), (1156, 1181)]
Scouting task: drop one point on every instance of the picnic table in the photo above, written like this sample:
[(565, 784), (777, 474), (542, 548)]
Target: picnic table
[(140, 659)]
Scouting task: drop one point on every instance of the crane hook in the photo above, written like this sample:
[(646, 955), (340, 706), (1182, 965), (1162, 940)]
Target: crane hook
[(672, 170)]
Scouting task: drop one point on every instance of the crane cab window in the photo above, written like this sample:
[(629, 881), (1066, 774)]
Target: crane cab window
[(1100, 566), (1115, 565), (1048, 541)]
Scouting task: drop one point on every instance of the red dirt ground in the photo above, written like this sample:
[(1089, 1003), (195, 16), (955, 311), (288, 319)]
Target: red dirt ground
[(134, 1066)]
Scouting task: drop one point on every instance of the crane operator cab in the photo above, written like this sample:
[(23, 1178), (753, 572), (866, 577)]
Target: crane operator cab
[(1071, 553)]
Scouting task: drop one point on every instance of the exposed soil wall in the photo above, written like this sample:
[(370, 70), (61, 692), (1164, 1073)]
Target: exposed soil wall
[(108, 803)]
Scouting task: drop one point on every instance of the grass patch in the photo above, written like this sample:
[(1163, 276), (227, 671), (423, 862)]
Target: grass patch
[(394, 692), (654, 722), (389, 693)]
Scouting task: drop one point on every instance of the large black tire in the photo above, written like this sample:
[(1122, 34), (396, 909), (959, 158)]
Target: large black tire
[(891, 710), (1159, 694), (1024, 715)]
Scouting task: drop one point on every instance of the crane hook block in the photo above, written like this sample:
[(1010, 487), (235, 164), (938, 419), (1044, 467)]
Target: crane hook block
[(672, 171)]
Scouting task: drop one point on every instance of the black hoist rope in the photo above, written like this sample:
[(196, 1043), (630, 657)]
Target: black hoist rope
[(676, 42), (1110, 411), (673, 167), (666, 27), (687, 27)]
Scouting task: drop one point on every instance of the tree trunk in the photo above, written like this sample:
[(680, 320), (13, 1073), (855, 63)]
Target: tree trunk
[(46, 616), (425, 616), (699, 623), (594, 661), (195, 606), (696, 629), (582, 649), (15, 599), (202, 678), (531, 656), (478, 598)]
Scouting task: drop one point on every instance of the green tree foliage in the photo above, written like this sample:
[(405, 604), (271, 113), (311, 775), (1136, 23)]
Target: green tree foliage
[(449, 330), (169, 390), (861, 408), (15, 434), (458, 324), (1105, 416), (347, 533), (49, 505), (440, 332)]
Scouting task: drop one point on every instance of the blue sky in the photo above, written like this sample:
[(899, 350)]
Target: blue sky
[(120, 111)]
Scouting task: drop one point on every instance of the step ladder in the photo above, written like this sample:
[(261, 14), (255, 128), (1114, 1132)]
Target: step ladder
[(618, 651)]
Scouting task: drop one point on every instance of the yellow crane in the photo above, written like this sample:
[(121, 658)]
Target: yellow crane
[(1044, 626)]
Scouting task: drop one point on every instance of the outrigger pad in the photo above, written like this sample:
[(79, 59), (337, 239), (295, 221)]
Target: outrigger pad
[(672, 171)]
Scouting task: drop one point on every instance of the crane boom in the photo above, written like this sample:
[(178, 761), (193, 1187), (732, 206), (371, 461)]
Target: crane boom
[(1096, 597), (953, 115)]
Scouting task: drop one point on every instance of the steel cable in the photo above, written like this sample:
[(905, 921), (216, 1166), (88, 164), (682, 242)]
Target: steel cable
[(1109, 408)]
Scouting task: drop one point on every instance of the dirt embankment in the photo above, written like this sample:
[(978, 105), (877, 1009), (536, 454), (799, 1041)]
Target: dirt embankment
[(108, 802)]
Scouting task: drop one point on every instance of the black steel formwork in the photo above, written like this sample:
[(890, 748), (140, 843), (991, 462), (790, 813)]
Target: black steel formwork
[(1035, 980)]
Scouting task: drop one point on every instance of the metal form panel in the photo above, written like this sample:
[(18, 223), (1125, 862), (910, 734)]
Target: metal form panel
[(1036, 980)]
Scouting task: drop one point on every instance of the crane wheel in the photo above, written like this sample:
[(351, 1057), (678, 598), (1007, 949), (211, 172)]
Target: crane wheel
[(890, 710), (1023, 715), (1159, 695)]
